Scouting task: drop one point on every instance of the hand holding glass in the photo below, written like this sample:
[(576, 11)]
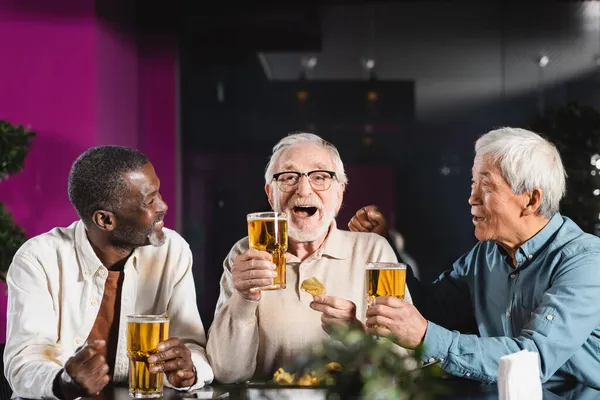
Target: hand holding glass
[(144, 333), (267, 231), (385, 279)]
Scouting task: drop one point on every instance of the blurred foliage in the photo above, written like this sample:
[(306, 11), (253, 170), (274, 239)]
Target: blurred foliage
[(11, 238), (14, 145), (15, 142), (575, 130), (371, 368)]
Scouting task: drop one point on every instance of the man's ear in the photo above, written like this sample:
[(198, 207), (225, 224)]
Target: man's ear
[(269, 192), (533, 200), (340, 199), (104, 220)]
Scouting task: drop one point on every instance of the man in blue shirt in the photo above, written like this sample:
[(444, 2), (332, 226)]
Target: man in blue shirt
[(532, 282)]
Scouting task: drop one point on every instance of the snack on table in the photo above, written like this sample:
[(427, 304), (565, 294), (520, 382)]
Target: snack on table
[(333, 366), (308, 378), (282, 377), (313, 286)]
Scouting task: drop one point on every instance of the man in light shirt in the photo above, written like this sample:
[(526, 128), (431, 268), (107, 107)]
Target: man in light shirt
[(71, 289), (254, 333)]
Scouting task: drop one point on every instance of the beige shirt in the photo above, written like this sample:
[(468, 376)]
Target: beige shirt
[(251, 339), (55, 287)]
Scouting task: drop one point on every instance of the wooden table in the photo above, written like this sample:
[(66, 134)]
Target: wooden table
[(459, 389)]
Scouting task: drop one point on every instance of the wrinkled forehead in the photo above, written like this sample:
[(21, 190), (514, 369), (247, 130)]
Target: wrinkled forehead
[(304, 158), (486, 166), (142, 182)]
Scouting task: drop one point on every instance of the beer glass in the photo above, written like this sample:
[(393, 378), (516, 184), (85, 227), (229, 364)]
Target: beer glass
[(144, 333), (268, 231), (385, 279)]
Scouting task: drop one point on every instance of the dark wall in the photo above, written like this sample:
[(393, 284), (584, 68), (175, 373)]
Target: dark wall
[(232, 115), (231, 118)]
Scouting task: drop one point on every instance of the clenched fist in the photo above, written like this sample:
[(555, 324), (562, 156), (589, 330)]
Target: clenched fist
[(369, 219), (85, 374)]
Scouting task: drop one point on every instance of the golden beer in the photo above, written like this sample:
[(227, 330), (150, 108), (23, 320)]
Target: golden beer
[(144, 333), (385, 279), (267, 231)]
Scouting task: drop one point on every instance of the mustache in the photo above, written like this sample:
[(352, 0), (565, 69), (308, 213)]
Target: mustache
[(159, 217)]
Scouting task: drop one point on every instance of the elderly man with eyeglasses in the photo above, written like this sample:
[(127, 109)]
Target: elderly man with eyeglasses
[(254, 333)]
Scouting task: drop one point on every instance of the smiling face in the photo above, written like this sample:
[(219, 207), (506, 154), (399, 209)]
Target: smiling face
[(310, 212), (497, 212), (139, 221)]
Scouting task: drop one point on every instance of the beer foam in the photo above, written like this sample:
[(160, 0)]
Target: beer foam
[(147, 319)]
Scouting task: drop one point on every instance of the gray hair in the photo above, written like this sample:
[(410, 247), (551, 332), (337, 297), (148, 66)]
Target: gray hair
[(527, 162), (296, 138)]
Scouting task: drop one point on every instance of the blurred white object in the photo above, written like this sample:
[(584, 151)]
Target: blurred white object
[(286, 394), (519, 376)]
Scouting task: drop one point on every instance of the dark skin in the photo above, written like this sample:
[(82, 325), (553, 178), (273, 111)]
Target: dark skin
[(113, 236)]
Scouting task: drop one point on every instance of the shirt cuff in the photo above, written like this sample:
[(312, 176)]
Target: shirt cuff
[(436, 344), (242, 309)]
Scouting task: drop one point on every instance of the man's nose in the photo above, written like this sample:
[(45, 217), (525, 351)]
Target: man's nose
[(162, 207), (304, 189), (474, 198)]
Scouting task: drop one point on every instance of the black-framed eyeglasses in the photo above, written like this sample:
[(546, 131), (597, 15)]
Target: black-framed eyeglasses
[(319, 179)]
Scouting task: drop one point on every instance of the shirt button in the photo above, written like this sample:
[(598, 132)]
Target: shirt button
[(513, 276), (508, 314), (94, 303), (87, 273), (101, 272), (431, 360), (549, 317), (468, 374), (530, 256), (79, 341)]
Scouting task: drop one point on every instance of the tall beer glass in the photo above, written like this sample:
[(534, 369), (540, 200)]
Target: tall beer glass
[(268, 231), (385, 279), (144, 333)]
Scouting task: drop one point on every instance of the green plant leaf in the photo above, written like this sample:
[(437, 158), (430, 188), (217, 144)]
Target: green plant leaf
[(12, 238), (15, 142)]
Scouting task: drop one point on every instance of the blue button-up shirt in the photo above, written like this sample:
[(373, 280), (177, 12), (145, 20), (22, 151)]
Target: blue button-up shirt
[(549, 303)]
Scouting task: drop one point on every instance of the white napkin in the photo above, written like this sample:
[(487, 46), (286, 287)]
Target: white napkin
[(519, 376), (286, 394)]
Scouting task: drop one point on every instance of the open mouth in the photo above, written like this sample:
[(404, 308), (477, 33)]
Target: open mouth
[(305, 211), (478, 219)]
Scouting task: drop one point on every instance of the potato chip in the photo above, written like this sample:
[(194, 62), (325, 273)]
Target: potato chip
[(282, 377), (313, 286), (308, 379), (333, 366)]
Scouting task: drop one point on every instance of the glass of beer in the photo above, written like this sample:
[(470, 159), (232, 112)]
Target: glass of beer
[(385, 279), (144, 333), (268, 231)]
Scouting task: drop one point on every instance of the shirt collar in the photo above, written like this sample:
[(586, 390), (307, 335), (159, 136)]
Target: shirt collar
[(530, 249), (89, 262), (332, 246)]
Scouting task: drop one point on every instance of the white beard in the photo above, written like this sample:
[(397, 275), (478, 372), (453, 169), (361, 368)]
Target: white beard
[(155, 240), (300, 236)]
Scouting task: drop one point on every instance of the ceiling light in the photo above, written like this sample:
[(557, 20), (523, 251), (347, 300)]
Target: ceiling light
[(309, 62)]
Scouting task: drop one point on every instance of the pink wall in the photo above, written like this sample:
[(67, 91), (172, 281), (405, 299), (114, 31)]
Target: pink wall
[(116, 89), (158, 117), (79, 83)]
